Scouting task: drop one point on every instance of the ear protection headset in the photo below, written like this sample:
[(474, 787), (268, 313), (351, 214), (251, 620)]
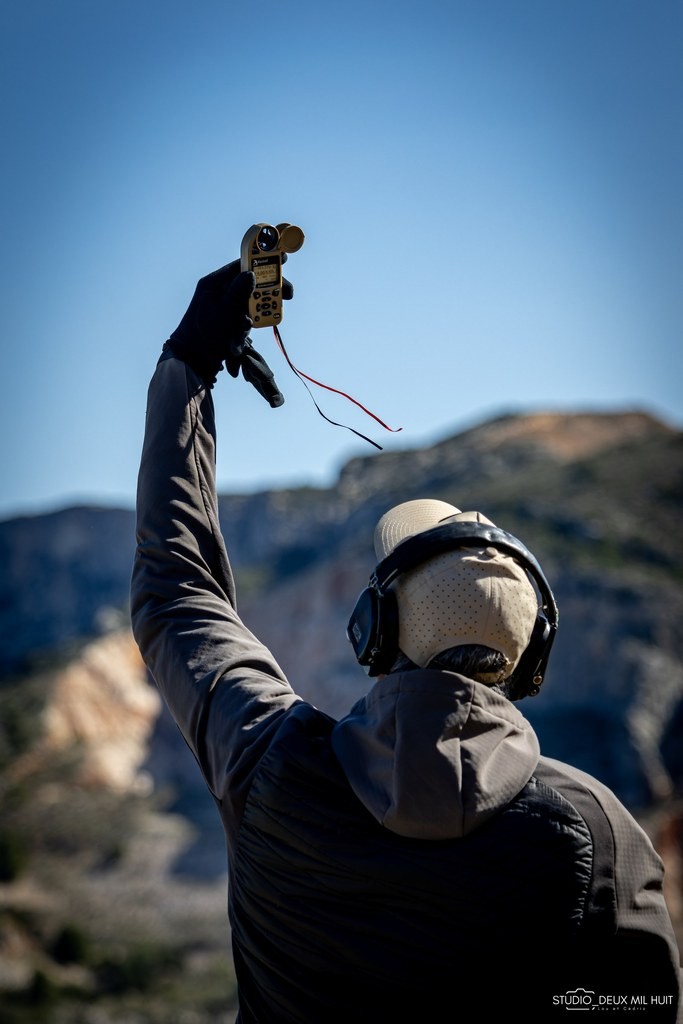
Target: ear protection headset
[(373, 626)]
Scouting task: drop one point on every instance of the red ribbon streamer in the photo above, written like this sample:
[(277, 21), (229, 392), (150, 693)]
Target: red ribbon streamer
[(304, 377)]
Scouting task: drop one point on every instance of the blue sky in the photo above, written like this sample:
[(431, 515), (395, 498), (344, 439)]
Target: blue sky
[(490, 191)]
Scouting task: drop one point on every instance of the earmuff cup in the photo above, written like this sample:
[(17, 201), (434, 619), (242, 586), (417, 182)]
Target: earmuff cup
[(373, 630), (527, 677)]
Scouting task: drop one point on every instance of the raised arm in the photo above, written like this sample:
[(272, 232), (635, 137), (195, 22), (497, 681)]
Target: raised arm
[(223, 687)]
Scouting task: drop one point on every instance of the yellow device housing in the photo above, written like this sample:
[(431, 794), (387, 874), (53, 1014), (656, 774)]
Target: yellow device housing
[(262, 250)]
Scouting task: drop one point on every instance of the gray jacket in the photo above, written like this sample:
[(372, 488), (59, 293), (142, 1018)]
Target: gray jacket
[(430, 756)]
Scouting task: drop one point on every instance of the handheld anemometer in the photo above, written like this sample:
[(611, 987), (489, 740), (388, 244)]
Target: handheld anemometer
[(263, 247), (264, 250)]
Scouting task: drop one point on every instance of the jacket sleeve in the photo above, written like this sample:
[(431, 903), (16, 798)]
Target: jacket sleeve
[(224, 689)]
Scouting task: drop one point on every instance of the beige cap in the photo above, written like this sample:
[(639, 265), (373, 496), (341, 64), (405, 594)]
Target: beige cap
[(466, 596)]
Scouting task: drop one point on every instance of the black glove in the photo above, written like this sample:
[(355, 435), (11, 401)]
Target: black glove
[(216, 328)]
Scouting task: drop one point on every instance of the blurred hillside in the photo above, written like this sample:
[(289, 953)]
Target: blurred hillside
[(112, 870)]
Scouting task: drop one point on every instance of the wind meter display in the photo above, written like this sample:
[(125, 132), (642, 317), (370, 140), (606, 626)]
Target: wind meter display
[(263, 247)]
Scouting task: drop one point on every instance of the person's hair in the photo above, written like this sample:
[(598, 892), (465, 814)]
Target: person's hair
[(475, 661)]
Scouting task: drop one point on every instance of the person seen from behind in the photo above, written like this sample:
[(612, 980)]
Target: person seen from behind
[(418, 859)]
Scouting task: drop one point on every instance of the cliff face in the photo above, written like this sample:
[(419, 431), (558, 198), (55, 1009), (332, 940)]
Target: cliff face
[(65, 578), (102, 702)]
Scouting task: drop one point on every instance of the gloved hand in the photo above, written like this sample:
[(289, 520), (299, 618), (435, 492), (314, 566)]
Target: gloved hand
[(216, 328)]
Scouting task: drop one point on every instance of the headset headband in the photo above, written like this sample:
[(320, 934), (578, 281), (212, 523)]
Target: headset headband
[(420, 547)]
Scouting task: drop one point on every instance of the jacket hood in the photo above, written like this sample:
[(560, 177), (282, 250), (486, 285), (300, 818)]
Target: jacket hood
[(432, 754)]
